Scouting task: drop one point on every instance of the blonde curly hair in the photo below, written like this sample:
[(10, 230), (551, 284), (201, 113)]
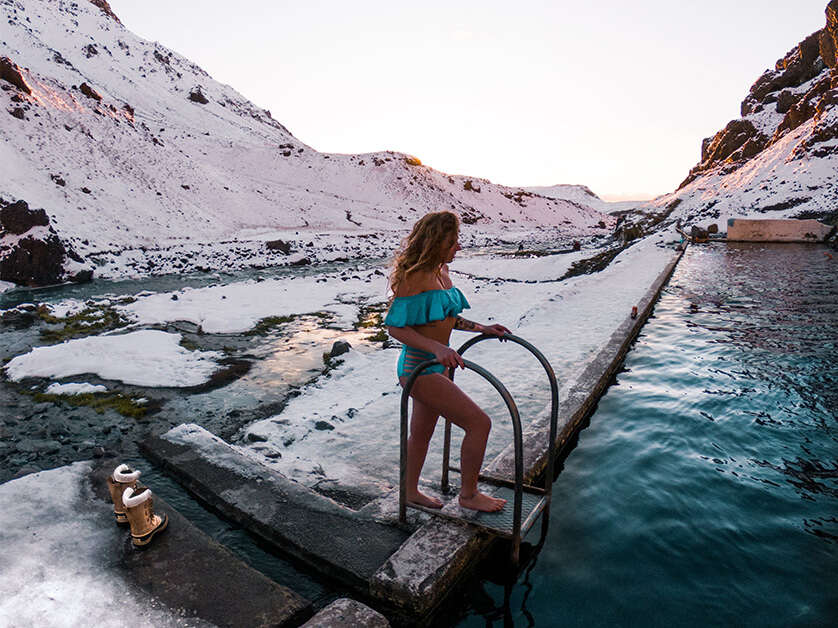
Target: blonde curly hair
[(425, 248)]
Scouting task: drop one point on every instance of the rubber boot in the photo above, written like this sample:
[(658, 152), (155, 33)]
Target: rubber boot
[(140, 512), (121, 478)]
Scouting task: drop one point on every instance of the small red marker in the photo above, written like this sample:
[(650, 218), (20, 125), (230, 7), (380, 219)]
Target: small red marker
[(634, 311)]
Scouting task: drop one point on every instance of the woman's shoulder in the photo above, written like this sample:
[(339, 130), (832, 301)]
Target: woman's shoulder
[(418, 282)]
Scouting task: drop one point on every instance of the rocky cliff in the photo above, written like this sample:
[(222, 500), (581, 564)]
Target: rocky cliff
[(781, 156)]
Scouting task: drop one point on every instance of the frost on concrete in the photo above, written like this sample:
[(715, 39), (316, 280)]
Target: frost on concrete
[(54, 549)]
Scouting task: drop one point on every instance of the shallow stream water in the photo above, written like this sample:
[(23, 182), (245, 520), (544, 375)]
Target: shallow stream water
[(705, 489)]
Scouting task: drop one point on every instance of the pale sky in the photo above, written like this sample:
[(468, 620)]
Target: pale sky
[(612, 94)]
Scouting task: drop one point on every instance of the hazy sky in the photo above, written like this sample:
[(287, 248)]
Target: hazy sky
[(612, 94)]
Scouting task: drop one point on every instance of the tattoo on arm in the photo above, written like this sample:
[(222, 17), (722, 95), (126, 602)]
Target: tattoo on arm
[(465, 324)]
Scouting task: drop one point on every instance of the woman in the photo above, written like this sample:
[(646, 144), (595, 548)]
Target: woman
[(424, 310)]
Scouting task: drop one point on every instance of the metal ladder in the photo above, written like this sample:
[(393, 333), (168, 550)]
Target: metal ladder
[(534, 498)]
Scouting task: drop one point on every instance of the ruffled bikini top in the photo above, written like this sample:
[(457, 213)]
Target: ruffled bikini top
[(422, 308)]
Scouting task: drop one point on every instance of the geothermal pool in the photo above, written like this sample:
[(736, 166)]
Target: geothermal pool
[(705, 489)]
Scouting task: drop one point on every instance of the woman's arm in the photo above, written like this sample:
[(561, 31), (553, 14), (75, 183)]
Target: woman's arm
[(412, 338), (463, 324)]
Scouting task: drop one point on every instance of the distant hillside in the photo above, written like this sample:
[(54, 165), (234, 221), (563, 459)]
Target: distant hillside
[(780, 159), (135, 153)]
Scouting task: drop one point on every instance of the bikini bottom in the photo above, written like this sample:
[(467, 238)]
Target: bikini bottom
[(410, 358)]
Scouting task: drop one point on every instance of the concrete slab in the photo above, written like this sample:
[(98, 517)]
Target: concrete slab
[(346, 613), (776, 230), (187, 571), (340, 542), (417, 577)]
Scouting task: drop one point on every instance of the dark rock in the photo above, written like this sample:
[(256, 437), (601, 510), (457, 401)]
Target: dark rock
[(632, 232), (17, 112), (714, 228), (196, 95), (577, 245), (34, 262), (733, 137), (17, 218), (323, 425), (11, 73), (18, 319), (279, 245), (785, 100), (106, 9), (738, 141), (804, 109), (256, 438), (303, 261), (83, 276), (90, 92), (90, 51), (828, 41), (339, 348), (698, 234)]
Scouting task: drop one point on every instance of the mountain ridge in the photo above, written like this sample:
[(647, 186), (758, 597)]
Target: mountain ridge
[(131, 147)]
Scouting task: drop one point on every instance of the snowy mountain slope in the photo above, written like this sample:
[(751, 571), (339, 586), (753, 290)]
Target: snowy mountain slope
[(780, 159), (129, 146), (583, 195)]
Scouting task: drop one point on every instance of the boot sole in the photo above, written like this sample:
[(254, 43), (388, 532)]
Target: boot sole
[(121, 519), (141, 542)]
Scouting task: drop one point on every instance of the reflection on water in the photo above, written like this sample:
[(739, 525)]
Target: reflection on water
[(705, 490)]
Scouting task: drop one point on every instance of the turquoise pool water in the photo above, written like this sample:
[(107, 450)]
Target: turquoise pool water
[(705, 489)]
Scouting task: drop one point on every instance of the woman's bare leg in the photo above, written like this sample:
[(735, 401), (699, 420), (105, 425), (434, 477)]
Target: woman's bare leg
[(440, 395), (422, 424)]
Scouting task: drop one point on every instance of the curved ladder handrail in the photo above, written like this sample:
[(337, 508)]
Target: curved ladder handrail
[(517, 437), (554, 414)]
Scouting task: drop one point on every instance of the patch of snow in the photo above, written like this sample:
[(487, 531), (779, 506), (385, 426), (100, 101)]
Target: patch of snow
[(142, 358), (74, 389), (237, 307)]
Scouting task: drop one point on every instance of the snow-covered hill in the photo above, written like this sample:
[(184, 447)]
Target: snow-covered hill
[(130, 147), (780, 159), (583, 195)]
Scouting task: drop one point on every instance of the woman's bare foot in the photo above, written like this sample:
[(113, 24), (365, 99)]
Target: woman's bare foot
[(481, 501), (420, 499)]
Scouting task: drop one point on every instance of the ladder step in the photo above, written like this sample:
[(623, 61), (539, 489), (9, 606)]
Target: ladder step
[(497, 523), (493, 479)]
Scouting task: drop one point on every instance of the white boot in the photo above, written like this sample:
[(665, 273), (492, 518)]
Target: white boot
[(139, 509), (121, 478)]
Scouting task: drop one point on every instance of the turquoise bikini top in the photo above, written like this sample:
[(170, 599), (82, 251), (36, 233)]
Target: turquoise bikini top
[(422, 308)]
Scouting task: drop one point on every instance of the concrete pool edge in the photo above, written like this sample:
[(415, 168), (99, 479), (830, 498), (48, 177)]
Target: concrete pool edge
[(418, 576)]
